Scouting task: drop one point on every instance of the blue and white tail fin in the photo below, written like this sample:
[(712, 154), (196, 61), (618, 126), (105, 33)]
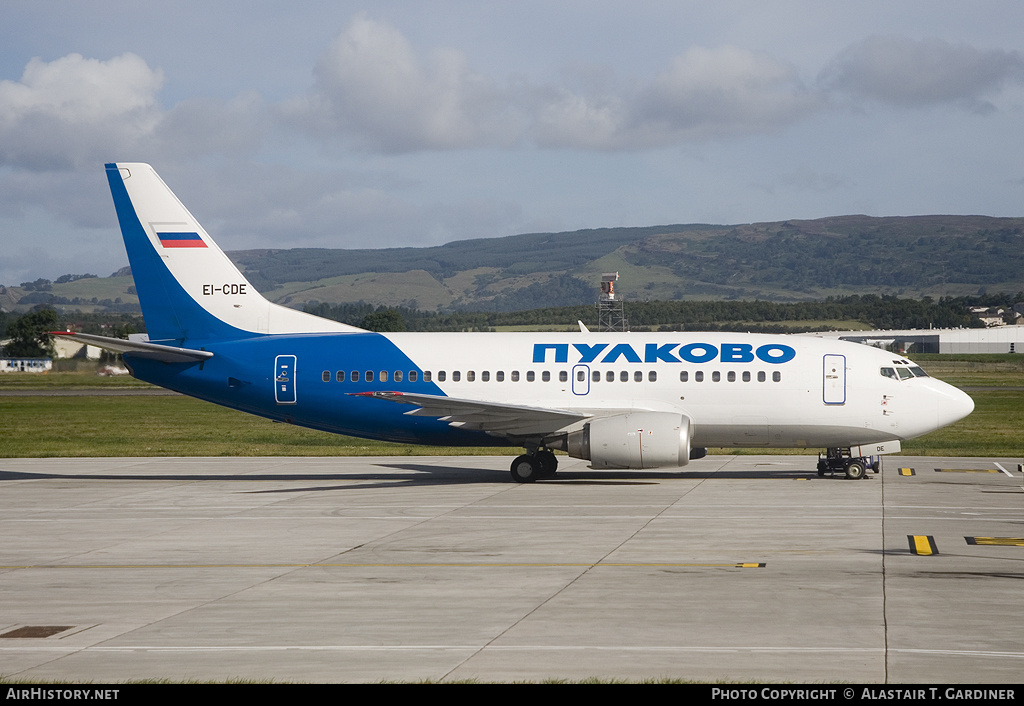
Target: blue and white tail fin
[(188, 288)]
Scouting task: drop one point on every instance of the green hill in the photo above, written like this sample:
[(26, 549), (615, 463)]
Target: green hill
[(784, 261)]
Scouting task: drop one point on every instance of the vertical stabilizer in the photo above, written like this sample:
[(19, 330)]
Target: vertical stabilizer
[(187, 286)]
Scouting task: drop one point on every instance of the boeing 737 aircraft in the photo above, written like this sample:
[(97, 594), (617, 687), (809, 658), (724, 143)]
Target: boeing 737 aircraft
[(618, 400)]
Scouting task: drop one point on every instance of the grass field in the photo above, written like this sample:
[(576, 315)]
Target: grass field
[(39, 426)]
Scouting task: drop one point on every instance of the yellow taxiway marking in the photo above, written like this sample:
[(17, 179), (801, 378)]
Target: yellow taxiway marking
[(922, 544), (966, 470), (997, 541)]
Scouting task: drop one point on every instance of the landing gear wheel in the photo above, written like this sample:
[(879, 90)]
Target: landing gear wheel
[(822, 468), (855, 470), (876, 467), (525, 469), (548, 463)]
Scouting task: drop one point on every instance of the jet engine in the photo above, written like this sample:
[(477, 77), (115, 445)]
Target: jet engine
[(635, 440)]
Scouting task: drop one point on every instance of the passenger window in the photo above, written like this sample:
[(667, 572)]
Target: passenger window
[(413, 376), (624, 376), (760, 376), (470, 376), (581, 376), (530, 377), (398, 376), (563, 376), (383, 375), (698, 376), (515, 376), (456, 375), (485, 376), (441, 375), (500, 376), (746, 376), (684, 376), (776, 376), (546, 376), (652, 376), (638, 376), (716, 376), (368, 376), (609, 376), (731, 376), (327, 376), (353, 376)]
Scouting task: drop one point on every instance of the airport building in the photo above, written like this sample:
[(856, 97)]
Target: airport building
[(25, 365), (999, 339)]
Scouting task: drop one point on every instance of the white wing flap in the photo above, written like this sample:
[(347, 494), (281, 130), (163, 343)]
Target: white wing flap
[(492, 417)]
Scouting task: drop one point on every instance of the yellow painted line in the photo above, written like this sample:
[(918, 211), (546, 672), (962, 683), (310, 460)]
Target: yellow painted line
[(922, 544), (735, 565), (966, 470), (997, 541), (906, 471)]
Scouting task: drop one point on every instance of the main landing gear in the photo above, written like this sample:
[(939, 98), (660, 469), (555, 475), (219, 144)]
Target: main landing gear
[(530, 467), (838, 460)]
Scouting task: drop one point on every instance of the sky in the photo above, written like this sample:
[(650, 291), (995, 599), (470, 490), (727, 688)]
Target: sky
[(354, 125)]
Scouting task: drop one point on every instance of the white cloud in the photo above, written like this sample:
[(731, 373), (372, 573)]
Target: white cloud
[(373, 89), (908, 73), (703, 94), (75, 110)]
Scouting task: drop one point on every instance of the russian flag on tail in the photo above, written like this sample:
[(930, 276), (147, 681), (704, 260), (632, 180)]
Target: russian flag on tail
[(181, 240)]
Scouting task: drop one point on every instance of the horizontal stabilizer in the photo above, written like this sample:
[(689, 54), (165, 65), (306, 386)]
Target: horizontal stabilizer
[(152, 351)]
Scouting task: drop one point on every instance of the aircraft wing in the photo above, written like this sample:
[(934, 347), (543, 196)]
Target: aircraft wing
[(153, 351), (493, 417)]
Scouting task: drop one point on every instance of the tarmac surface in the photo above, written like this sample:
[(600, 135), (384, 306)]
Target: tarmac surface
[(413, 568)]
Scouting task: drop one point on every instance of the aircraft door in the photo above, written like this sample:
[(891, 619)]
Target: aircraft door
[(834, 379), (284, 379), (581, 379)]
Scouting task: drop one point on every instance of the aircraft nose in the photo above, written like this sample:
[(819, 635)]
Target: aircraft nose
[(952, 405)]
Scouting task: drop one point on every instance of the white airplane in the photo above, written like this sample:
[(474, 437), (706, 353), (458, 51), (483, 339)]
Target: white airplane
[(618, 400)]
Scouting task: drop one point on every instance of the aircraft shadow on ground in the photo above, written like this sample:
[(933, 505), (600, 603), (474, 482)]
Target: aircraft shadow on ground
[(427, 474)]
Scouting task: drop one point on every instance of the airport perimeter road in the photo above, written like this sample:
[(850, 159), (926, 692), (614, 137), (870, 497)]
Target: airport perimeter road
[(409, 568)]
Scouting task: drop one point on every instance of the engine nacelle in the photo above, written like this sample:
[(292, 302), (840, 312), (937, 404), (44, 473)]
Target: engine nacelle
[(636, 440)]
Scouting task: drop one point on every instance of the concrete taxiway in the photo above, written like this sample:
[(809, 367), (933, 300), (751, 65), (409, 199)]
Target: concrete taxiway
[(409, 568)]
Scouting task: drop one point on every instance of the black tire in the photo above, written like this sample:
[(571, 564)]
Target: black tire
[(855, 470), (876, 467), (525, 469), (548, 462)]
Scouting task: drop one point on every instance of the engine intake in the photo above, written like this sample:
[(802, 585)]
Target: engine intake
[(636, 440)]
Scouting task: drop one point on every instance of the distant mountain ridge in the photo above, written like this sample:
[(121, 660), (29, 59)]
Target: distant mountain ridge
[(795, 260), (791, 260)]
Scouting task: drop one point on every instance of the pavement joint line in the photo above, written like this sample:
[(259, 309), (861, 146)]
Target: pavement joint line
[(732, 565)]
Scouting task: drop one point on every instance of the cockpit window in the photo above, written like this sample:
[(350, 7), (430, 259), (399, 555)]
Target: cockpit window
[(904, 373), (918, 372), (888, 373)]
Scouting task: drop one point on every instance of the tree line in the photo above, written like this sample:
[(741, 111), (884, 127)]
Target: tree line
[(878, 311)]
